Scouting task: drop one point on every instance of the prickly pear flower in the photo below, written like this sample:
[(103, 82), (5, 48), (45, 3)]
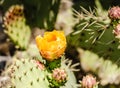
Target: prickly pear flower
[(59, 75), (89, 82), (114, 12), (116, 31), (52, 45)]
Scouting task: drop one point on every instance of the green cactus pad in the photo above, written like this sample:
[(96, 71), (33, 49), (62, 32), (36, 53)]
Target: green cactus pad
[(107, 71), (94, 34), (26, 74), (16, 27)]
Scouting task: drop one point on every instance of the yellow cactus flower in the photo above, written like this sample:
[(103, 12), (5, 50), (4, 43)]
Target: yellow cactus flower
[(52, 45)]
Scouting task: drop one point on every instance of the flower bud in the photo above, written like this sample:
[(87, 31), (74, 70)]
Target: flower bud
[(59, 75), (114, 12), (89, 82)]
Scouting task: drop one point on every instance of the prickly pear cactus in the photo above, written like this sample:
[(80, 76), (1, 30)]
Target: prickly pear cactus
[(95, 33), (16, 27), (107, 71), (27, 74)]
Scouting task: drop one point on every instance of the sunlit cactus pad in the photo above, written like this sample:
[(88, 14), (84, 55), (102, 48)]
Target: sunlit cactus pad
[(108, 72), (26, 74), (16, 27)]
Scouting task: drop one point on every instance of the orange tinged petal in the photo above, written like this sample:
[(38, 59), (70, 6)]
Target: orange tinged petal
[(52, 45)]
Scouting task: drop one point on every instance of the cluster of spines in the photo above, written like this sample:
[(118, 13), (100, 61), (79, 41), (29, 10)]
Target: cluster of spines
[(92, 33)]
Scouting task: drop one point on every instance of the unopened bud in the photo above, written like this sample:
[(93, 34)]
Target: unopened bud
[(89, 82), (114, 12), (59, 75)]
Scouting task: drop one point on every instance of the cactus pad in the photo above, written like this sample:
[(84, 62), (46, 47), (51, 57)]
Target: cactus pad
[(26, 74), (108, 72), (94, 34), (16, 27)]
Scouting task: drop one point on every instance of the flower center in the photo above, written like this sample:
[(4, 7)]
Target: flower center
[(51, 38)]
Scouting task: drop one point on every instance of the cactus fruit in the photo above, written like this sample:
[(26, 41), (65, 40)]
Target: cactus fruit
[(16, 27)]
